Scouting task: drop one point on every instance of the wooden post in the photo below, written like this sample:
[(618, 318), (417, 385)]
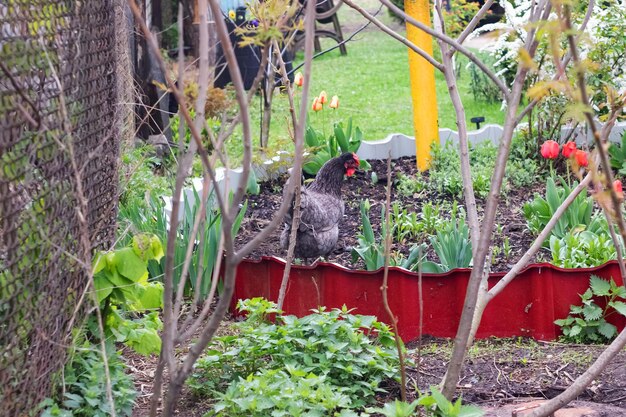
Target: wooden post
[(422, 76)]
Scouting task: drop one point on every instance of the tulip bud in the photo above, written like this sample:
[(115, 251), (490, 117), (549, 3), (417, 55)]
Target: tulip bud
[(298, 79), (617, 186), (334, 102), (569, 148), (581, 158), (550, 149), (323, 98), (317, 105)]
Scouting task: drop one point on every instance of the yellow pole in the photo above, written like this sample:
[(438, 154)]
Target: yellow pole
[(422, 76)]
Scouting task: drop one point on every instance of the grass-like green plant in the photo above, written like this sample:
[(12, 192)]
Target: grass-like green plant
[(152, 219), (323, 149), (371, 249), (347, 354), (587, 323), (451, 244), (84, 391), (578, 215)]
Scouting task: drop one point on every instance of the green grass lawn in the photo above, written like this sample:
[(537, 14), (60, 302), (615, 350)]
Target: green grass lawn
[(373, 86)]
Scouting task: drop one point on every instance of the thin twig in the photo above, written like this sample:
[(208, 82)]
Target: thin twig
[(392, 317)]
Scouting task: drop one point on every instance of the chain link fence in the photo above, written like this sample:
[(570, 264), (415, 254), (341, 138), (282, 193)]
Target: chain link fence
[(59, 145)]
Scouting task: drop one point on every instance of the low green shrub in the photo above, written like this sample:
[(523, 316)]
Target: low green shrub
[(123, 290), (587, 323), (84, 391), (348, 355), (582, 249)]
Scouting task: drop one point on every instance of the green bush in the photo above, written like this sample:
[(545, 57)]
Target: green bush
[(582, 249), (138, 178), (587, 323), (350, 354), (445, 172), (84, 391)]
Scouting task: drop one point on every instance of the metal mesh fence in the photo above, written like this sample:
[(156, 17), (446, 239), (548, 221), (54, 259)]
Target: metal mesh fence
[(59, 144)]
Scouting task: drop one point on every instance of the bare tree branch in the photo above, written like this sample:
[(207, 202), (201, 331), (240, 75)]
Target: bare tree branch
[(456, 45)]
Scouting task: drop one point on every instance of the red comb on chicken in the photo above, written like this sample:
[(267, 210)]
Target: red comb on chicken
[(321, 209)]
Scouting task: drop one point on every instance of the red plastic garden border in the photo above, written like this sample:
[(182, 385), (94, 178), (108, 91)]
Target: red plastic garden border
[(528, 306)]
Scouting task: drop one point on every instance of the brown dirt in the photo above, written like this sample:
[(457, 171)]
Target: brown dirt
[(360, 187)]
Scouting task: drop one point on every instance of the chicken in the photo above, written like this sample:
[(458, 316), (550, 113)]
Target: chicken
[(321, 209)]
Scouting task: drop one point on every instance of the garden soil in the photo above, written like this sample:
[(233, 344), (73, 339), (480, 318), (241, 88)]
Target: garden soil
[(511, 222), (501, 375)]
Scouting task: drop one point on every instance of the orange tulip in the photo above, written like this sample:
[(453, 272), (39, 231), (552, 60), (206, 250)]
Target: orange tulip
[(334, 102), (317, 104), (581, 158), (617, 186), (298, 79), (323, 97)]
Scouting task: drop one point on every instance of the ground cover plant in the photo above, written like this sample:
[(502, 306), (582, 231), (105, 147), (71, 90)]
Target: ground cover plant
[(338, 358)]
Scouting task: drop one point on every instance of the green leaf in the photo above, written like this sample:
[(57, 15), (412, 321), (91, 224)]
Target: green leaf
[(130, 265), (599, 286), (575, 330), (151, 297), (607, 330), (618, 306), (341, 138), (103, 287), (592, 312)]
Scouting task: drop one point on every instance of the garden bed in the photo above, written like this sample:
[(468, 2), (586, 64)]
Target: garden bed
[(263, 206), (499, 372)]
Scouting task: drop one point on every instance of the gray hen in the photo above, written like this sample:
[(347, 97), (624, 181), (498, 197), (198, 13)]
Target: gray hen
[(321, 209)]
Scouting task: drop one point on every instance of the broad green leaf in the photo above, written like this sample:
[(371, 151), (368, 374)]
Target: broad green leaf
[(130, 265), (619, 306), (607, 330), (151, 297), (575, 330), (103, 287), (599, 286)]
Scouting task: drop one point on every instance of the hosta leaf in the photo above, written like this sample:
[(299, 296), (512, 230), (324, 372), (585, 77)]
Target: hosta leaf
[(599, 286)]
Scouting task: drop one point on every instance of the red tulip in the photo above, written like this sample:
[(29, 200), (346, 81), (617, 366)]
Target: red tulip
[(298, 79), (550, 149), (569, 148), (581, 158)]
